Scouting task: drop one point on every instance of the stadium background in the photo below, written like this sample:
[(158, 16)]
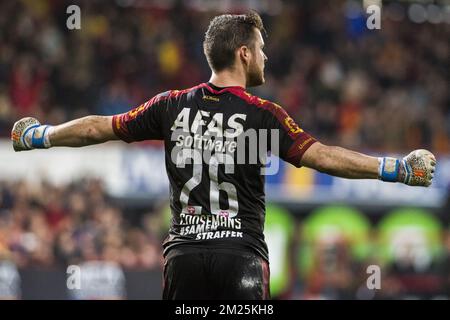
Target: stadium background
[(104, 208)]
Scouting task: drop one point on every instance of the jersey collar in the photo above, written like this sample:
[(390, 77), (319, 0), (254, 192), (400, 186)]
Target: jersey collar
[(218, 90)]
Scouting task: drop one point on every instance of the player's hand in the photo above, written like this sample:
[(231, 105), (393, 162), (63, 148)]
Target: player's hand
[(28, 134), (416, 169)]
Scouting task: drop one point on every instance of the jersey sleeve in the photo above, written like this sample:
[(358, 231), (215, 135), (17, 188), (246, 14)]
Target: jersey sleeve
[(143, 122), (292, 140)]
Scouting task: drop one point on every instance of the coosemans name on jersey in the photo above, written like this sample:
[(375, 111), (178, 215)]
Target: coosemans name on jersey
[(205, 226)]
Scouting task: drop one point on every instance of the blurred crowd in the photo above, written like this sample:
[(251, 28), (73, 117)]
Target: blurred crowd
[(47, 226), (377, 90), (413, 273)]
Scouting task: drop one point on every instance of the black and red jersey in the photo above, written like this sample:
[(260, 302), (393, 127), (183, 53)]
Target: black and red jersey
[(215, 142)]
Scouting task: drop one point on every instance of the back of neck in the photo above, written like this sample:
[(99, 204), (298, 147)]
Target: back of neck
[(227, 79)]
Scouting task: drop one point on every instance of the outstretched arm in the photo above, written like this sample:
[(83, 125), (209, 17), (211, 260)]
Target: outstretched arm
[(340, 162), (82, 132), (416, 169), (140, 123), (28, 133)]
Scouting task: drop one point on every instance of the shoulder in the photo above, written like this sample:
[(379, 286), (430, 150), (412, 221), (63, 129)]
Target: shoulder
[(274, 113), (259, 102), (271, 108)]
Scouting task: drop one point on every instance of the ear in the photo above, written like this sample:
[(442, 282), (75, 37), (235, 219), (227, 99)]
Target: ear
[(245, 55)]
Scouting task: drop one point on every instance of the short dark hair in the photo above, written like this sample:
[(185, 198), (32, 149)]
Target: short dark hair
[(225, 34)]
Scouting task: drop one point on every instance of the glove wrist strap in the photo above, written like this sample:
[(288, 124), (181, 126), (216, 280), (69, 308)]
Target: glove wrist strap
[(389, 169), (405, 172), (47, 133), (38, 137)]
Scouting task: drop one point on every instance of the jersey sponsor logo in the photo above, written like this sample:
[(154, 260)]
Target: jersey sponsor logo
[(211, 98), (304, 143), (214, 124), (293, 127), (136, 111), (206, 143), (205, 135)]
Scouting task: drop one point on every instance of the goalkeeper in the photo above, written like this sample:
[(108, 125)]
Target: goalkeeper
[(216, 248)]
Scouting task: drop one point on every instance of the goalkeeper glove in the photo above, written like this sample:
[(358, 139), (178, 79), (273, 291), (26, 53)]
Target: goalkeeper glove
[(416, 169), (28, 133)]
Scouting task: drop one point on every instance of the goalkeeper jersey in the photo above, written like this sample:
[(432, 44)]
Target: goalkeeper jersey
[(216, 145)]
